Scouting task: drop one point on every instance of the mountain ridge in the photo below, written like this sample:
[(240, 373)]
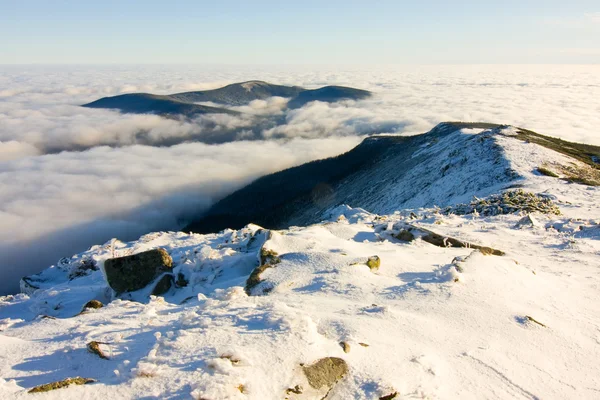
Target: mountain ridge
[(299, 195), (235, 94)]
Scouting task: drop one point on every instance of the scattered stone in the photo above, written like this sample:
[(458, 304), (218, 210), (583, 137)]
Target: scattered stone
[(135, 272), (325, 372), (509, 202), (268, 259), (163, 285), (527, 221), (363, 344), (61, 384), (445, 241), (373, 263), (95, 304), (233, 360), (405, 236), (94, 347), (295, 390), (181, 281), (82, 267), (254, 278), (547, 172), (241, 388), (389, 396), (535, 321), (345, 346)]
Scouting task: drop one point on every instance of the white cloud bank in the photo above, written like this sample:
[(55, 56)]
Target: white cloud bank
[(52, 205)]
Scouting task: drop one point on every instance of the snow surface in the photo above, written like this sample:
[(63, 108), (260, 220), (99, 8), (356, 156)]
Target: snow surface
[(439, 322)]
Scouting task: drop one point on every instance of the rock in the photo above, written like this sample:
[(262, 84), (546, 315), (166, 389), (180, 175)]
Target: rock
[(94, 347), (405, 236), (325, 372), (446, 241), (95, 304), (527, 221), (389, 396), (345, 346), (373, 263), (267, 259), (82, 267), (135, 272), (61, 384), (295, 390), (163, 285)]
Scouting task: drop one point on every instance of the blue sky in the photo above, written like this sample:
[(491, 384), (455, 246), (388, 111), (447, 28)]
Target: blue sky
[(299, 32)]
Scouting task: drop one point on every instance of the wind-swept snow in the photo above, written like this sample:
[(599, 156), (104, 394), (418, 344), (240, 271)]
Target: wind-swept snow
[(430, 322)]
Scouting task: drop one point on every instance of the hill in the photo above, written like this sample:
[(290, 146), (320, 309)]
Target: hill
[(445, 166), (144, 103), (328, 94), (236, 94), (493, 296)]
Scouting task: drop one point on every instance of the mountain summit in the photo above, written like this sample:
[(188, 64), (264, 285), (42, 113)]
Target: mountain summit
[(425, 292), (236, 94)]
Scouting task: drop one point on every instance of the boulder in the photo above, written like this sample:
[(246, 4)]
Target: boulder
[(325, 372), (135, 272)]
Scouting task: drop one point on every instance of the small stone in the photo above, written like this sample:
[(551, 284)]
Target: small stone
[(94, 347), (405, 236), (363, 344), (95, 304), (389, 396), (295, 390), (163, 285), (325, 372), (345, 346), (373, 263)]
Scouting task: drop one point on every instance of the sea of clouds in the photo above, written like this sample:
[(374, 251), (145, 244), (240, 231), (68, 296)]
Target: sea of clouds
[(71, 177)]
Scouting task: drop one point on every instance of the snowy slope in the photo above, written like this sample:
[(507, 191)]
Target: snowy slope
[(431, 322), (446, 166)]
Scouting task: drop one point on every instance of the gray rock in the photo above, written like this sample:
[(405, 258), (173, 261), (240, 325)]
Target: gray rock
[(135, 272), (163, 285), (325, 372)]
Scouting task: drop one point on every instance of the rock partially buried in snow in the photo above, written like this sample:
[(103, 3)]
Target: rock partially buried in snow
[(61, 384), (325, 372), (405, 236), (135, 272), (527, 221), (163, 285), (373, 263)]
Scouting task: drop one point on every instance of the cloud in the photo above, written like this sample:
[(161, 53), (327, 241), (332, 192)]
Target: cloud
[(56, 199), (88, 197)]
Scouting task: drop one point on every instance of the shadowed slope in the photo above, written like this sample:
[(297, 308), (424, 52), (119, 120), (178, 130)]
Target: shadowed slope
[(384, 173)]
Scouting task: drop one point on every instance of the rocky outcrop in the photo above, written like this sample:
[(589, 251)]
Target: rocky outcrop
[(135, 272)]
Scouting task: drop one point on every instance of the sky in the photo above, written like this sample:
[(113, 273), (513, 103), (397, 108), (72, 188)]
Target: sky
[(306, 32)]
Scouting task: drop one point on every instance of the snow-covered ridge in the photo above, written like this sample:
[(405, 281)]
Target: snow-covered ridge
[(446, 166), (429, 322)]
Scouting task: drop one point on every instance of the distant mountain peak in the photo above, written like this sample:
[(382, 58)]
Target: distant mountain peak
[(235, 94)]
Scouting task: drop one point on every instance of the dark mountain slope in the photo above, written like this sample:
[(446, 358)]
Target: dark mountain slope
[(443, 167), (274, 200), (144, 103), (238, 94), (328, 94)]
